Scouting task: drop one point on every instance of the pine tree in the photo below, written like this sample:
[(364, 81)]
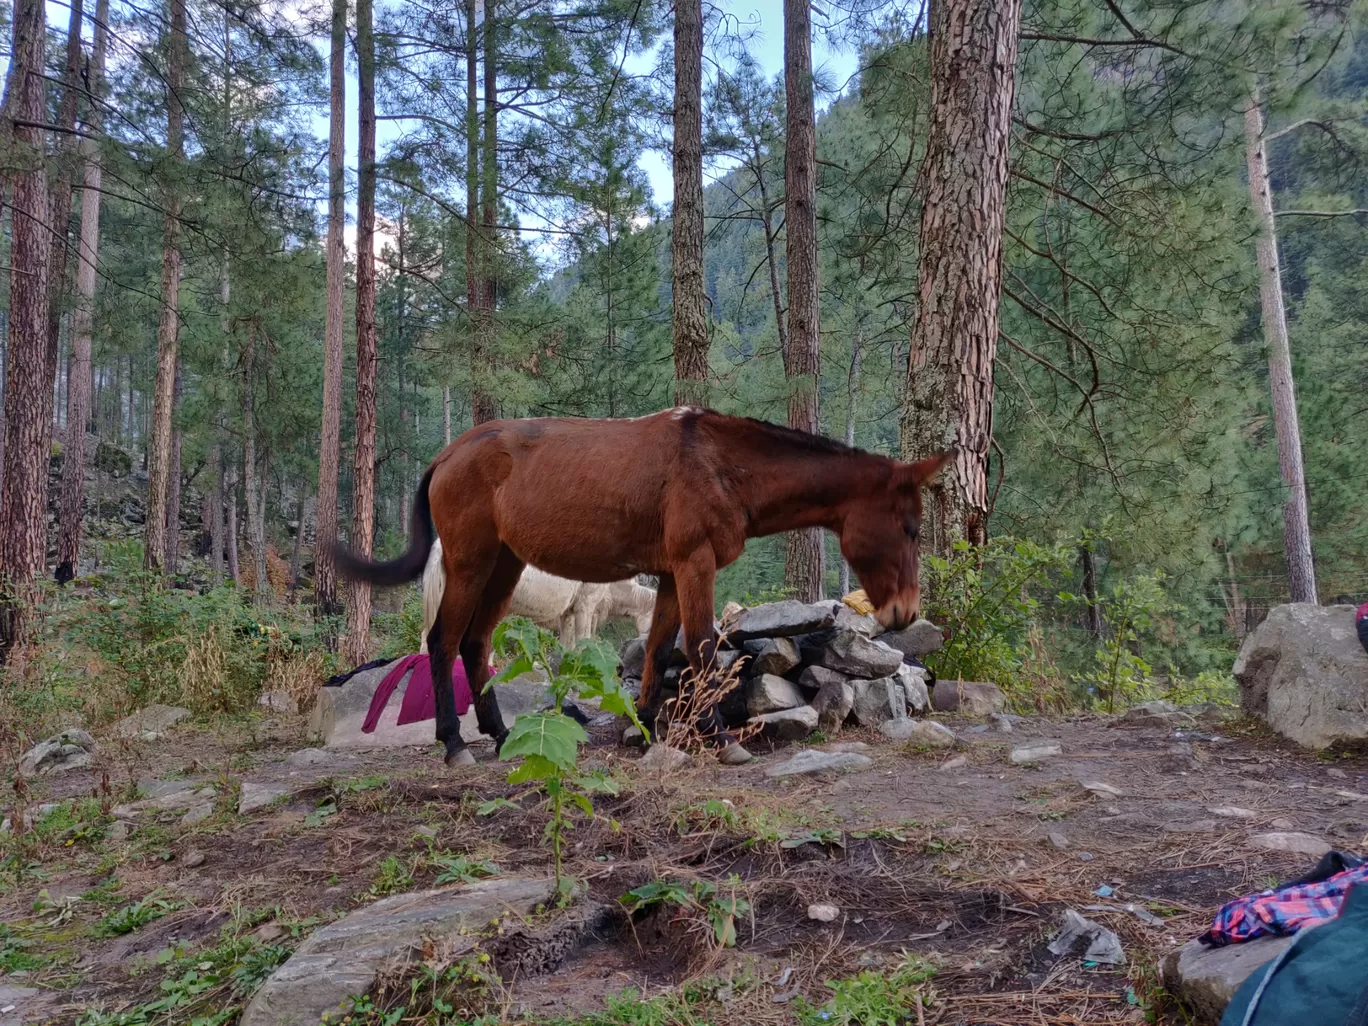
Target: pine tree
[(689, 297)]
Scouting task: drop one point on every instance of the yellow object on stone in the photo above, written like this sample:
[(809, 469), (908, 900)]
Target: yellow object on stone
[(859, 601)]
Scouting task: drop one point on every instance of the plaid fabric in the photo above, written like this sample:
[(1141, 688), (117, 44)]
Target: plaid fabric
[(1283, 911)]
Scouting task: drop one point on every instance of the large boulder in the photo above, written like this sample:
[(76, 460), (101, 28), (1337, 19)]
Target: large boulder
[(878, 701), (1304, 672), (1205, 979), (833, 704), (150, 722), (769, 693), (772, 655), (343, 959), (789, 724), (785, 619), (972, 698), (913, 681), (846, 651), (72, 749), (920, 638)]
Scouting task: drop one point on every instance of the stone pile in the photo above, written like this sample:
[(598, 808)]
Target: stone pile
[(818, 666)]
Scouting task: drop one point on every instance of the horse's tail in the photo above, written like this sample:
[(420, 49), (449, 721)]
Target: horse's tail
[(403, 568)]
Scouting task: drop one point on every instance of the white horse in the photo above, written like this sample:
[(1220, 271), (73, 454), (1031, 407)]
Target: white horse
[(573, 609)]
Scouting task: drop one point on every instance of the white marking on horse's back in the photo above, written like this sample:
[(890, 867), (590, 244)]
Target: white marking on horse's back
[(680, 412)]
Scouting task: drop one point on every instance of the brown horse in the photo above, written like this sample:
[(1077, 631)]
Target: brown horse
[(675, 494)]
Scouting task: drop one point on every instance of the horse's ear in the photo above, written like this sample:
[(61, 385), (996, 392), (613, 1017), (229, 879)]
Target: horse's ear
[(925, 472)]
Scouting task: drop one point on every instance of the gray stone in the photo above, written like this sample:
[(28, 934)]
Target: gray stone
[(784, 619), (72, 749), (777, 656), (664, 759), (197, 814), (632, 659), (878, 701), (338, 713), (1001, 722), (959, 762), (1233, 812), (1304, 672), (920, 638), (194, 859), (833, 704), (32, 816), (632, 737), (1189, 826), (344, 958), (1058, 841), (913, 680), (16, 1004), (923, 733), (153, 788), (814, 678), (812, 762), (858, 747), (1205, 979), (279, 702), (253, 796), (154, 719), (769, 693), (1156, 714), (1300, 844), (171, 801), (972, 698), (845, 651), (1024, 755), (789, 724), (121, 830), (307, 758), (860, 623)]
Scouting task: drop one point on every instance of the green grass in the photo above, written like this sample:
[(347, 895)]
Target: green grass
[(131, 918)]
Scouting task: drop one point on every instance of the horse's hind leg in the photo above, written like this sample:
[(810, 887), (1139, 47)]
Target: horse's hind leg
[(659, 647), (498, 591), (465, 584)]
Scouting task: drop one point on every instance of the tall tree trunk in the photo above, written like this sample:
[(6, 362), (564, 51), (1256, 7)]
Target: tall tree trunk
[(59, 195), (474, 249), (231, 529), (363, 488), (173, 492), (256, 526), (852, 403), (23, 488), (168, 325), (1094, 607), (949, 400), (82, 328), (690, 319), (325, 534), (297, 560), (804, 563), (1301, 567), (767, 222), (446, 414), (400, 284), (213, 511), (484, 406)]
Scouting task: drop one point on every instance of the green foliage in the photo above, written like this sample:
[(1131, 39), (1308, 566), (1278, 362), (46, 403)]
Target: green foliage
[(131, 918), (391, 876), (873, 998), (460, 869), (1211, 687), (1129, 610), (719, 908)]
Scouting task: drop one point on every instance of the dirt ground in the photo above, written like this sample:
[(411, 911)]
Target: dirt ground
[(969, 867)]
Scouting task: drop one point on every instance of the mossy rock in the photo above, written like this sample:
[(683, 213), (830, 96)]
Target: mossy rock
[(112, 460)]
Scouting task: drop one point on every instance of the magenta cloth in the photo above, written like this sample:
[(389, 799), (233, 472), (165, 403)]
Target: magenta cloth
[(419, 703)]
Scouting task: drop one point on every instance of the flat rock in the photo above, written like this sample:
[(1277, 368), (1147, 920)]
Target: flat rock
[(860, 623), (664, 759), (344, 958), (1233, 812), (15, 1003), (969, 697), (253, 796), (632, 658), (775, 655), (858, 747), (769, 693), (959, 762), (1189, 826), (197, 813), (812, 762), (1156, 714), (1101, 789), (171, 801), (833, 704), (923, 733), (814, 678), (789, 724), (1024, 755), (153, 719), (913, 681), (307, 758), (917, 639), (823, 913), (785, 619), (1001, 722), (278, 702), (1304, 672), (1058, 841), (1205, 979), (878, 701), (72, 749), (846, 651), (1301, 844)]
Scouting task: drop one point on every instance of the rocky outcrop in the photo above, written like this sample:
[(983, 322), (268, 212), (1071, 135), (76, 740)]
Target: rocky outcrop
[(1304, 672), (1205, 979)]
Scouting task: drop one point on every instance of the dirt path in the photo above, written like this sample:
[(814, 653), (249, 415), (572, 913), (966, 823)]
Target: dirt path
[(969, 867)]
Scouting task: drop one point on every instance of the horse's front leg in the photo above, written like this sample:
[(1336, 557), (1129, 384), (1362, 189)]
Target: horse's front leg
[(694, 583), (659, 647), (475, 645)]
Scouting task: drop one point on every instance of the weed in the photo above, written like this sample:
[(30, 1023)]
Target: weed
[(494, 805), (695, 900), (16, 953), (135, 916), (873, 999), (391, 876), (821, 836), (709, 814), (459, 869)]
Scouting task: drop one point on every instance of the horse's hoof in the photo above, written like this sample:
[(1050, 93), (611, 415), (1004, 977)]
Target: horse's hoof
[(499, 740), (460, 757), (734, 755)]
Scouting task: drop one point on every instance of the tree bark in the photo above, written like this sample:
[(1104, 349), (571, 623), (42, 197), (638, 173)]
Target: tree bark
[(82, 326), (297, 560), (446, 414), (363, 490), (168, 325), (690, 319), (173, 491), (1301, 566), (59, 198), (329, 457), (1094, 608), (213, 511), (231, 529), (484, 406), (852, 400), (804, 563), (474, 248), (23, 487), (256, 524), (949, 400)]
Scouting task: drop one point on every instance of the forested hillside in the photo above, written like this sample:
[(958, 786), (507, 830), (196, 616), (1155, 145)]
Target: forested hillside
[(523, 268)]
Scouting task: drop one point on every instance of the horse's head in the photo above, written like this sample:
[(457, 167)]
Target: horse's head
[(879, 540)]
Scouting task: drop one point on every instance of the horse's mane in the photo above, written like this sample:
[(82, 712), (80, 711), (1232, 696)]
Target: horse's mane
[(778, 435)]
